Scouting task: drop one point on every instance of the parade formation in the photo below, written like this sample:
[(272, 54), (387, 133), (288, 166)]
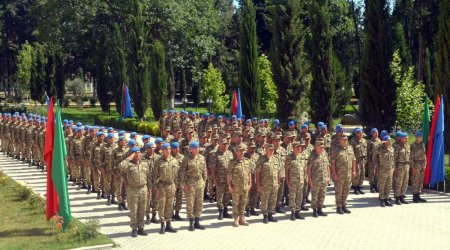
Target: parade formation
[(243, 165)]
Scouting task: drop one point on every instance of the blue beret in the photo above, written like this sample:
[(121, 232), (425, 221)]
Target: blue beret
[(386, 137), (373, 131), (175, 145), (65, 121), (291, 123), (121, 138), (254, 119), (30, 119), (194, 144), (79, 129), (358, 130), (164, 111), (248, 121), (110, 130), (338, 126), (79, 124), (383, 133), (146, 137), (110, 135), (133, 134), (276, 121), (398, 133), (70, 121), (149, 145), (165, 145), (323, 127), (121, 132), (219, 117), (102, 127), (207, 114), (418, 134), (305, 125), (135, 149), (319, 124), (158, 140), (99, 133), (131, 142), (403, 135), (233, 116), (339, 129), (87, 127)]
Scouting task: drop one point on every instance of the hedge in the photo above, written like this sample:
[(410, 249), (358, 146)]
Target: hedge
[(128, 125)]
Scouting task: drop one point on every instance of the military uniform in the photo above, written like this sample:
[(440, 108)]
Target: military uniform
[(107, 160), (95, 164), (179, 190), (165, 174), (239, 173), (268, 169), (219, 166), (360, 149), (318, 171), (295, 176), (418, 163), (342, 160), (401, 173), (383, 159), (372, 144)]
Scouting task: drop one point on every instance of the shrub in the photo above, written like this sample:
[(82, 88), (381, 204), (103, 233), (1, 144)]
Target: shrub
[(92, 101), (87, 231), (37, 204), (22, 193)]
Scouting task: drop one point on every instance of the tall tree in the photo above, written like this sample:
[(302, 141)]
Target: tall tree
[(119, 69), (158, 79), (50, 70), (102, 74), (443, 61), (23, 74), (60, 79), (138, 61), (287, 55), (378, 92), (248, 67), (323, 84), (37, 82)]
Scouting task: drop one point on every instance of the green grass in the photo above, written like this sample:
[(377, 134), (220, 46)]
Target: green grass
[(23, 228)]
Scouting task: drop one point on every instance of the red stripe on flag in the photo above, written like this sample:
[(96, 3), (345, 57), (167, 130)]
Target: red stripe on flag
[(427, 174)]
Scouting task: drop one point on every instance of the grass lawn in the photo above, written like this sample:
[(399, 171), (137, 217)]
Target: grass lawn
[(24, 228)]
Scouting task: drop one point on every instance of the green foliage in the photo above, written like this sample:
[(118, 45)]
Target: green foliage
[(410, 96), (102, 74), (37, 84), (118, 66), (324, 82), (402, 47), (150, 128), (214, 88), (248, 66), (50, 70), (269, 94), (22, 193), (343, 86), (60, 80), (76, 86), (158, 79), (87, 231), (36, 203), (24, 67), (288, 58)]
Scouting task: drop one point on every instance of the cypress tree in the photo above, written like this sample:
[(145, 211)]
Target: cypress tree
[(102, 74), (60, 76), (378, 92), (158, 79), (248, 67), (323, 83), (37, 82), (119, 70), (289, 64), (50, 74), (443, 61)]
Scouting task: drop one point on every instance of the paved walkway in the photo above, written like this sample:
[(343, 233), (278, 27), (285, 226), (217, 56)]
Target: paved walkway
[(414, 226)]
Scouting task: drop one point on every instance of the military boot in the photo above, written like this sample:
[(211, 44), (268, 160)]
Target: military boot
[(320, 212), (382, 204), (372, 188), (272, 219), (141, 232), (226, 214), (292, 216), (387, 203), (308, 200), (360, 190), (197, 224), (169, 228), (154, 220), (345, 209), (119, 207), (253, 212), (99, 196), (162, 230), (177, 217), (220, 217), (113, 200), (420, 198), (147, 219), (402, 200), (191, 224), (303, 207), (79, 187), (124, 205), (265, 219), (339, 210), (108, 200), (242, 221), (89, 189), (134, 233), (299, 216), (376, 188), (236, 221), (278, 210), (415, 198), (315, 214), (355, 190), (397, 201), (103, 195)]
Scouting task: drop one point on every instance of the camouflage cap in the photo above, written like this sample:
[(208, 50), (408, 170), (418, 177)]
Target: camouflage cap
[(307, 136), (276, 138), (319, 143), (224, 141), (343, 137), (215, 137), (241, 146), (269, 146), (252, 144)]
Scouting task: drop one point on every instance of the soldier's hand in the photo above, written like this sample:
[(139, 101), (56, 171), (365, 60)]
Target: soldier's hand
[(353, 174), (186, 188), (260, 188), (336, 178), (413, 171), (158, 194), (311, 184)]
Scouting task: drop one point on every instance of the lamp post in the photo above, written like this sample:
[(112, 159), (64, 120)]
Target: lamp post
[(184, 100), (110, 95), (209, 101)]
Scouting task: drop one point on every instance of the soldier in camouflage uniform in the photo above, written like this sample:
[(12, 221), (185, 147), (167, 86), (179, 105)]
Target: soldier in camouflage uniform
[(139, 181), (325, 137), (42, 144), (150, 156), (165, 175), (239, 183), (383, 160), (418, 163), (119, 178), (401, 173), (318, 177), (29, 140), (253, 195), (95, 164), (23, 139), (268, 181), (295, 166), (107, 168), (218, 164), (372, 144), (359, 145), (280, 154), (88, 142), (343, 164), (76, 153), (175, 147), (192, 178)]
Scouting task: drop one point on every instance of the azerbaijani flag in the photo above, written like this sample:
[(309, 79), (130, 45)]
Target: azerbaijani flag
[(234, 103), (427, 174), (426, 123), (127, 111), (239, 106), (51, 197), (437, 158)]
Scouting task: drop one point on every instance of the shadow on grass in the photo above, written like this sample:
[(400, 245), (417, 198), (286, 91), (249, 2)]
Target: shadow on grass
[(25, 232)]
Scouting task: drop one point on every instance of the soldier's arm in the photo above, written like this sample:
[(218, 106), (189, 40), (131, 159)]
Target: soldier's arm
[(310, 179), (333, 163), (156, 174), (183, 169), (286, 169), (204, 172), (149, 177)]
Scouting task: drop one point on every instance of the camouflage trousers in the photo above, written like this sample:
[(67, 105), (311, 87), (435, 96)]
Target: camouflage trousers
[(27, 151), (137, 203), (373, 176), (179, 198), (269, 199), (280, 192), (401, 177), (17, 147), (120, 189), (87, 172), (95, 177), (75, 169), (318, 192), (165, 201), (296, 196), (210, 186), (108, 183), (253, 194), (358, 180), (222, 195), (306, 189), (384, 183), (240, 200), (341, 190), (194, 199), (417, 178)]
